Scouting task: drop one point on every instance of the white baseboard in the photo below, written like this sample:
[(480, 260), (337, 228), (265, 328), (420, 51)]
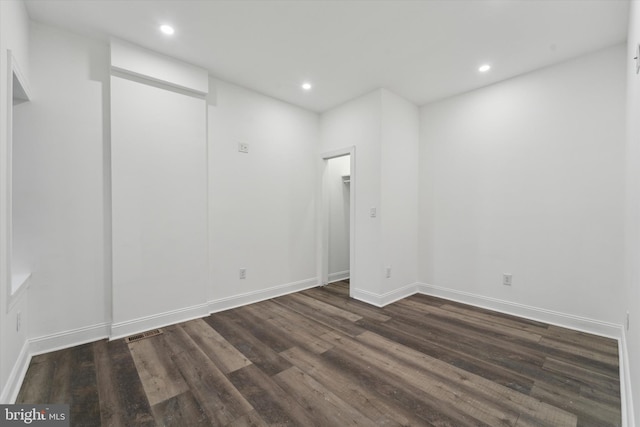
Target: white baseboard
[(380, 300), (16, 376), (338, 276), (141, 324), (626, 397), (66, 339), (261, 295), (583, 324)]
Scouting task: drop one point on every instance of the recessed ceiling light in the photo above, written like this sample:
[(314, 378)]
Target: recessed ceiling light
[(167, 29), (306, 86), (484, 68)]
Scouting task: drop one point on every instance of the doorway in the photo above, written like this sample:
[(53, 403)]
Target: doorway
[(338, 191)]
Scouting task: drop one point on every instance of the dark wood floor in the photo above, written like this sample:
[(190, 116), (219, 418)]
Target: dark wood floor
[(320, 358)]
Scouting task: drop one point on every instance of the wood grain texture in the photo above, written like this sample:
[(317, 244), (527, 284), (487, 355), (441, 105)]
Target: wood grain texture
[(319, 358)]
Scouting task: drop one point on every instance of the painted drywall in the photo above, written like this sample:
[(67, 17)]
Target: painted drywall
[(131, 58), (384, 130), (14, 36), (62, 210), (357, 123), (261, 203), (339, 199), (526, 177), (399, 191), (159, 199), (632, 219)]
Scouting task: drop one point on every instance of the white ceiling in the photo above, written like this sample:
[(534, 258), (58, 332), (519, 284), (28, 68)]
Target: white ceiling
[(421, 50)]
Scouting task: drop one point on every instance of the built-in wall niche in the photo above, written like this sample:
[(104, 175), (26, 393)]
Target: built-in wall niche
[(19, 93)]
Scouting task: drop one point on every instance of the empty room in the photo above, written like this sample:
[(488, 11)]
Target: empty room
[(320, 213)]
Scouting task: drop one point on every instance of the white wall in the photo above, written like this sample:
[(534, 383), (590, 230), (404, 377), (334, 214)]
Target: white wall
[(14, 27), (632, 216), (357, 123), (63, 177), (383, 128), (159, 190), (261, 203), (399, 191), (339, 217), (525, 177)]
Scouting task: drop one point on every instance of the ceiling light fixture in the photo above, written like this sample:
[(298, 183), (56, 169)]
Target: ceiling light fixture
[(167, 29), (306, 86), (484, 68)]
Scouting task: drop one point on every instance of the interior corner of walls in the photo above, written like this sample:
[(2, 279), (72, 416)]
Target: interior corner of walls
[(16, 376), (577, 323), (382, 300), (132, 59)]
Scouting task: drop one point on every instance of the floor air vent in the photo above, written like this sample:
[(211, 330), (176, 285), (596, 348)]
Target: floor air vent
[(138, 337)]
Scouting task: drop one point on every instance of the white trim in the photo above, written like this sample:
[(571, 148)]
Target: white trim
[(14, 382), (323, 218), (338, 276), (261, 295), (626, 397), (141, 324), (135, 60), (380, 300), (578, 323), (67, 339)]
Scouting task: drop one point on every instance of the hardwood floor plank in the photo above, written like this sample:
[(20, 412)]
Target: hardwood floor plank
[(608, 363), (602, 414), (61, 383), (474, 322), (252, 419), (158, 374), (292, 326), (339, 382), (503, 399), (272, 403), (321, 358), (218, 349), (358, 307), (411, 401), (212, 390), (85, 402), (487, 366), (179, 411), (123, 402), (584, 376), (36, 386), (325, 308), (590, 341), (337, 323), (325, 407), (491, 318), (429, 382), (258, 352)]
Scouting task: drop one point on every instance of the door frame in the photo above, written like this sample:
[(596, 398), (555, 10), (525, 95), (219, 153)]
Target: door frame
[(323, 252)]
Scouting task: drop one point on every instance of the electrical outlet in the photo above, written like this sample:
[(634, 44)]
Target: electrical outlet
[(243, 273), (388, 272), (243, 148), (18, 321), (506, 279), (373, 212)]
